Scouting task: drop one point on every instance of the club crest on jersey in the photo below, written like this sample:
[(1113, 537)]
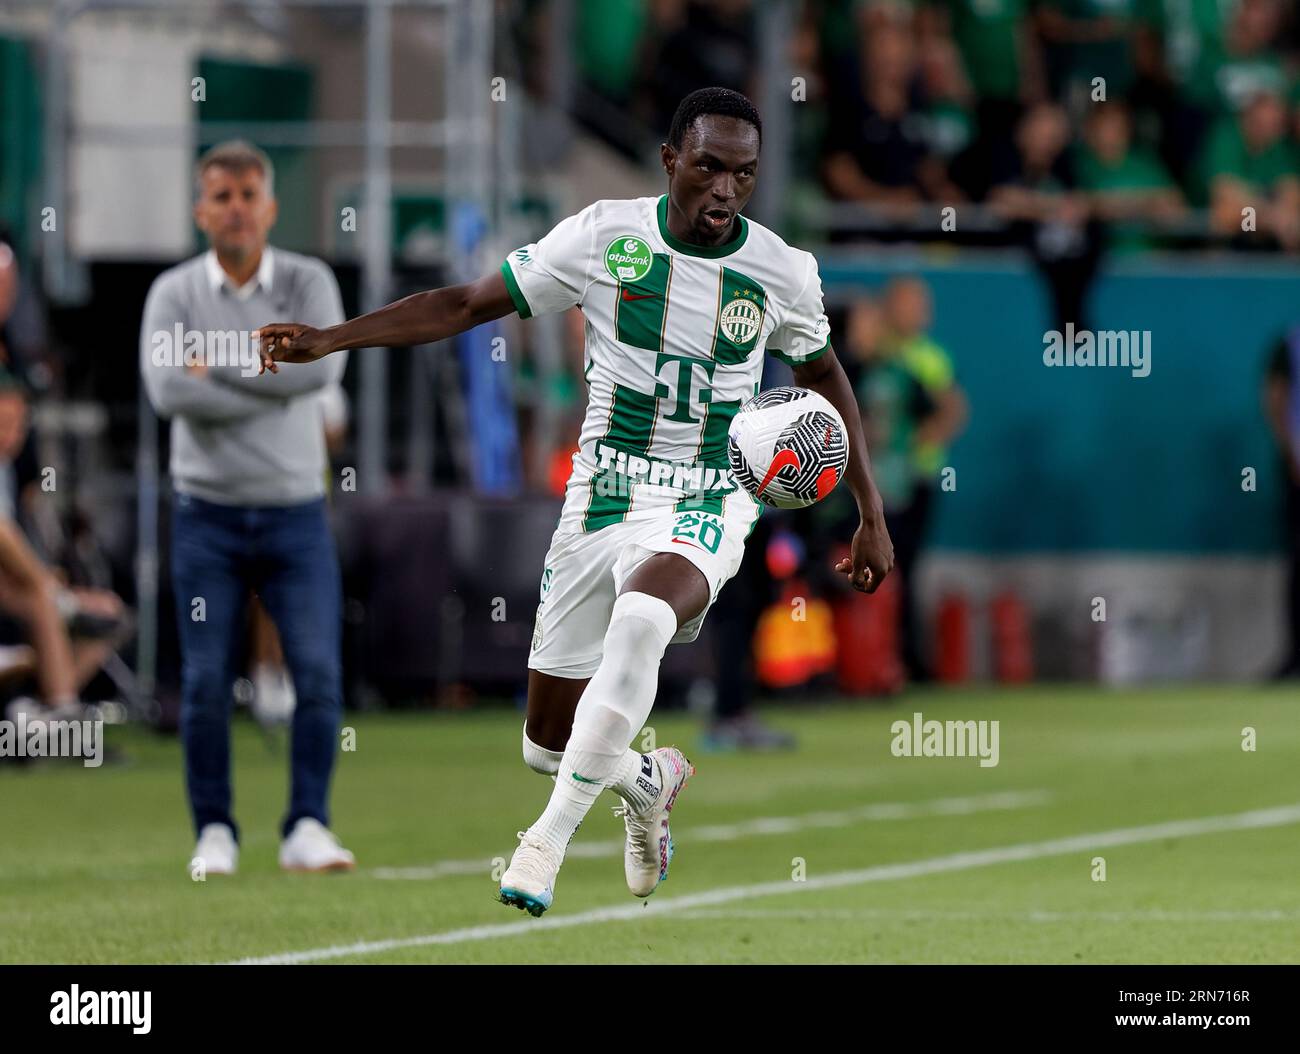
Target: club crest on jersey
[(628, 258), (740, 320)]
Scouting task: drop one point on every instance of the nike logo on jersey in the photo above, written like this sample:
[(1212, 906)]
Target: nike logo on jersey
[(629, 295), (782, 459)]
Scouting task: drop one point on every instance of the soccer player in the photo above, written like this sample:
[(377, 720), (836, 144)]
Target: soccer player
[(681, 296)]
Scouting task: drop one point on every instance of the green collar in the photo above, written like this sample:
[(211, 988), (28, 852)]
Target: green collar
[(712, 252)]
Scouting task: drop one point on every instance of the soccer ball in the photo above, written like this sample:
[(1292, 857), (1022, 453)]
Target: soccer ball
[(787, 447)]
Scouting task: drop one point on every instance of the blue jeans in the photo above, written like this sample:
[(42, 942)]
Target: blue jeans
[(286, 555)]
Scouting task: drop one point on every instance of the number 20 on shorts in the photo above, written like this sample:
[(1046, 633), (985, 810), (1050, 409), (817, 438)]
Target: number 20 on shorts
[(704, 529)]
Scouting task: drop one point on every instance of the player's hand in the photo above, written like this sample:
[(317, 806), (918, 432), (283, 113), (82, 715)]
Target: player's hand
[(872, 556), (290, 342)]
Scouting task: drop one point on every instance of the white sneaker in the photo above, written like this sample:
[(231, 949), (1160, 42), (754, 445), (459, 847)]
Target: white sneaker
[(312, 847), (649, 847), (217, 852), (529, 881)]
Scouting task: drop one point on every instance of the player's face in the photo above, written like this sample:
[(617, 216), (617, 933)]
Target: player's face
[(234, 210), (711, 177)]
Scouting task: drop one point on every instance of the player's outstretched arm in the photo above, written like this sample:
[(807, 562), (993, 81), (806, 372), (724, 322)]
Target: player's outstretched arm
[(421, 318)]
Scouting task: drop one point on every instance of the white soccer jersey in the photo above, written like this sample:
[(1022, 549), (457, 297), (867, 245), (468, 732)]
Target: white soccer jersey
[(675, 336)]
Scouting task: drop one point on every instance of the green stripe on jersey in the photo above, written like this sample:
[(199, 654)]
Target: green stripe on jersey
[(516, 294), (711, 503), (713, 437), (631, 428), (792, 360), (742, 306), (641, 306)]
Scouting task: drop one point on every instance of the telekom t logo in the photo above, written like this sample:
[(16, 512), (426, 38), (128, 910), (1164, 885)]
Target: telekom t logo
[(685, 376)]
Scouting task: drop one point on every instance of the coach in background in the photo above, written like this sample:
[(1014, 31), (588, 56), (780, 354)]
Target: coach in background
[(248, 469)]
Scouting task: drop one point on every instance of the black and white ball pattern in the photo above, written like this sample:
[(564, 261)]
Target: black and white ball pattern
[(787, 447)]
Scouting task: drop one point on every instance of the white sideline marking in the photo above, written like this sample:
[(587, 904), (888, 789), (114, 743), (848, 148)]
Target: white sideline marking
[(1276, 817), (728, 832)]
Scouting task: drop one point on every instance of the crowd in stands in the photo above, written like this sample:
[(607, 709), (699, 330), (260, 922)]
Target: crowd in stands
[(1162, 119)]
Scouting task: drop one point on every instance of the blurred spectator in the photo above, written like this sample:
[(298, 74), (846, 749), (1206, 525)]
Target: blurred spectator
[(1282, 412), (8, 281), (917, 101), (1204, 60), (1047, 214), (1124, 183), (911, 392), (1037, 187), (14, 418), (912, 409), (1179, 47), (36, 606), (699, 43), (1084, 40), (947, 117), (875, 149), (1293, 101), (1250, 163), (608, 36), (997, 48), (1002, 61), (891, 398), (1252, 61), (23, 344)]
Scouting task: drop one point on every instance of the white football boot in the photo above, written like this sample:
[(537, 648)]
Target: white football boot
[(649, 848), (529, 881), (312, 847), (217, 852)]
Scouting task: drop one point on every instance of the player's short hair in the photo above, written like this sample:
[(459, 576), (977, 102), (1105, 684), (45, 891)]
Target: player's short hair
[(706, 101), (235, 155)]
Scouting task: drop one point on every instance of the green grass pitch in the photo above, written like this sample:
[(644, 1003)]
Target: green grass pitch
[(838, 852)]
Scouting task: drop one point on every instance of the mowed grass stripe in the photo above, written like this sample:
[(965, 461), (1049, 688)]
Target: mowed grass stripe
[(758, 826), (1279, 816)]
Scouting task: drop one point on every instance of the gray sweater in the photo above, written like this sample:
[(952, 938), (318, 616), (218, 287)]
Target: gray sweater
[(237, 438)]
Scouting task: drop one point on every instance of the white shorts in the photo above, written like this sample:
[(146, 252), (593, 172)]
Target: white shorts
[(584, 573)]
